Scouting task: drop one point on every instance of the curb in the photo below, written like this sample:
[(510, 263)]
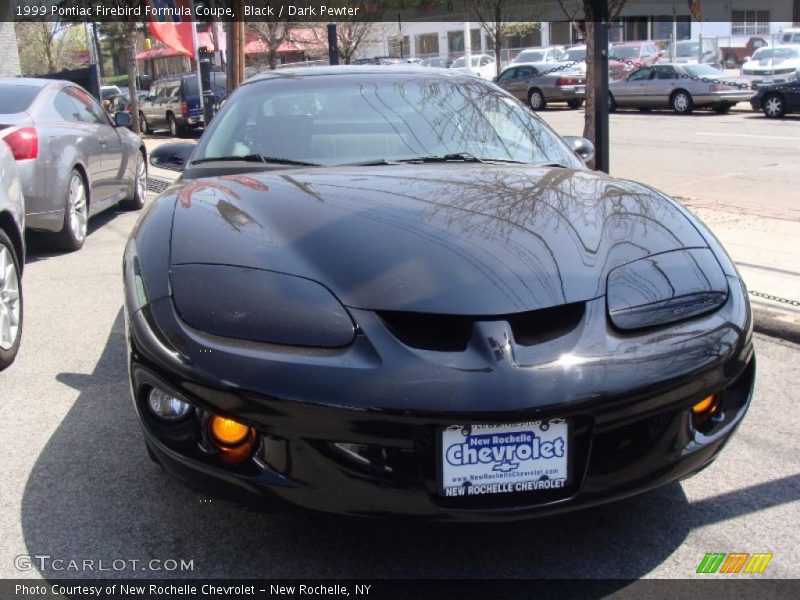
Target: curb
[(765, 322)]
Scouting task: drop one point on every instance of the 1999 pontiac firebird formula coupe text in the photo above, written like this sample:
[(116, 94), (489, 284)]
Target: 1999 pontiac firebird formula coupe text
[(398, 292)]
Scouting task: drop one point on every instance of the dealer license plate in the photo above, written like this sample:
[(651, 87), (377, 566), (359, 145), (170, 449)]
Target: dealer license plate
[(580, 89), (499, 459)]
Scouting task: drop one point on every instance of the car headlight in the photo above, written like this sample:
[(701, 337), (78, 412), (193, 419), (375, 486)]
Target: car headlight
[(665, 288), (261, 306)]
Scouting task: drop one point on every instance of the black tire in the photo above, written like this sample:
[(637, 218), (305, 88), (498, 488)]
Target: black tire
[(681, 102), (575, 104), (9, 353), (612, 104), (774, 106), (536, 99), (144, 127), (73, 232), (723, 109), (137, 199), (175, 130)]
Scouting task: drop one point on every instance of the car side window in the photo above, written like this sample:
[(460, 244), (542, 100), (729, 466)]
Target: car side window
[(525, 73), (66, 108), (89, 110), (484, 61), (507, 75), (640, 75), (663, 73)]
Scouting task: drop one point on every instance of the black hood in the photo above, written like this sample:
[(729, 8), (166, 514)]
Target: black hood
[(459, 239)]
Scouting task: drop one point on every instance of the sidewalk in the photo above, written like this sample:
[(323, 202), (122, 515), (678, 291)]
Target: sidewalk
[(766, 251)]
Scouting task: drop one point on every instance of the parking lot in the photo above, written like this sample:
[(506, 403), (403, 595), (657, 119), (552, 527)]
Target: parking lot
[(77, 483)]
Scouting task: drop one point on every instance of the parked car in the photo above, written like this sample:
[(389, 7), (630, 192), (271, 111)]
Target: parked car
[(635, 54), (671, 86), (768, 65), (777, 99), (174, 104), (526, 83), (417, 300), (439, 62), (577, 55), (108, 91), (481, 65), (539, 55), (687, 52), (12, 255), (790, 36), (735, 56), (74, 162)]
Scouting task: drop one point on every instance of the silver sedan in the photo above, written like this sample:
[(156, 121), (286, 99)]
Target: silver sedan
[(12, 256), (537, 84), (72, 159), (671, 86)]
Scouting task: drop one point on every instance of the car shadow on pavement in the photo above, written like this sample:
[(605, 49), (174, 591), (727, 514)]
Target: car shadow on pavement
[(94, 494), (38, 245)]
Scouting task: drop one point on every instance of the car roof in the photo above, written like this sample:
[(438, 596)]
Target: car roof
[(333, 71), (32, 81)]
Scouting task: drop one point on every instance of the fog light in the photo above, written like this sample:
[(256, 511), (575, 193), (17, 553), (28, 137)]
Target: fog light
[(705, 409), (166, 406)]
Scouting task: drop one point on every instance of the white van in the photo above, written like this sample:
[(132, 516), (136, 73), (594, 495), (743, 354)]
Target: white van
[(790, 36)]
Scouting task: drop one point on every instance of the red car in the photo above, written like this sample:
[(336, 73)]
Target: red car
[(635, 54)]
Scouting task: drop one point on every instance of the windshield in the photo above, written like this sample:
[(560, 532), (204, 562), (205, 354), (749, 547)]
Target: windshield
[(626, 52), (16, 98), (530, 56), (345, 119), (766, 53), (573, 54), (703, 71)]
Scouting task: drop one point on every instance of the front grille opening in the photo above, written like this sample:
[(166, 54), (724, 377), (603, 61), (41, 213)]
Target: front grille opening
[(451, 333)]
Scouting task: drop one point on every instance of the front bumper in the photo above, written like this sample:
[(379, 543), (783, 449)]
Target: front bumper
[(627, 398)]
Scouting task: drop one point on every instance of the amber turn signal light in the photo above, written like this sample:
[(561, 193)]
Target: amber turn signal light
[(705, 409), (227, 432)]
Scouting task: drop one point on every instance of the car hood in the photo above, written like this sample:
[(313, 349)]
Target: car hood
[(769, 64), (459, 239)]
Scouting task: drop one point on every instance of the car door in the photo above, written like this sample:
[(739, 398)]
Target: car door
[(87, 147), (506, 80), (632, 91), (172, 100), (108, 149), (663, 81), (148, 105)]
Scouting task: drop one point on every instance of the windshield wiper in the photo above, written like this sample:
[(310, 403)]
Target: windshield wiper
[(255, 158), (455, 156)]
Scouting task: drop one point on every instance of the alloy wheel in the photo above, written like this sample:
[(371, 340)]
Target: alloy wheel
[(681, 102), (141, 178), (536, 100), (77, 207), (9, 300), (773, 107)]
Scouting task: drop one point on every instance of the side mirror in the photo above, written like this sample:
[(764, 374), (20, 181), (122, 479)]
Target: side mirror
[(581, 146), (123, 119), (174, 157)]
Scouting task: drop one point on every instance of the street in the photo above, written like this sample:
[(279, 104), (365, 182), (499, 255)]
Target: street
[(77, 483)]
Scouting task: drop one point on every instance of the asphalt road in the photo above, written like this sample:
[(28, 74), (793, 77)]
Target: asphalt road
[(76, 483)]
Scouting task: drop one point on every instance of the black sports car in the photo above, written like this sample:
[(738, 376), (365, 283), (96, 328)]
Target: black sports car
[(777, 99), (379, 292)]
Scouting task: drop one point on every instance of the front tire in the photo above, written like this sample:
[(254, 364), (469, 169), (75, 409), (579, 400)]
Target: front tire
[(575, 104), (76, 214), (10, 302), (682, 102), (774, 106), (137, 200), (536, 99)]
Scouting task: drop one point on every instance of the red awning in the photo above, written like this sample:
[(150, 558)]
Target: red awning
[(157, 53)]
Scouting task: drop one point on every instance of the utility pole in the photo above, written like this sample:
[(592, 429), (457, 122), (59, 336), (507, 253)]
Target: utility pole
[(601, 129)]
